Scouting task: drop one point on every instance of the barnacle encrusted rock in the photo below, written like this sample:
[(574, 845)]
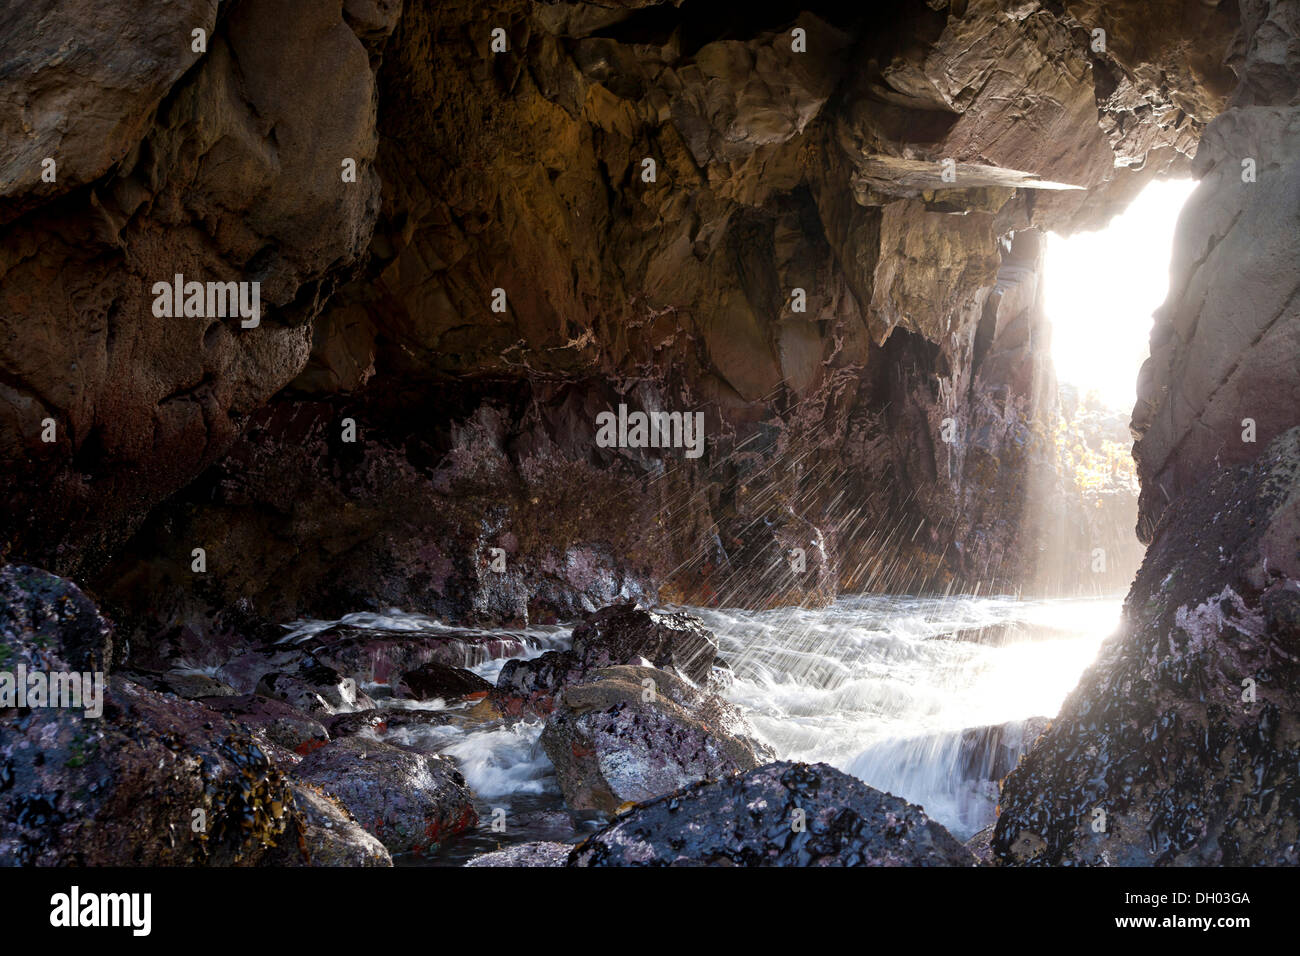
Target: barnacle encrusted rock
[(781, 814), (1180, 746)]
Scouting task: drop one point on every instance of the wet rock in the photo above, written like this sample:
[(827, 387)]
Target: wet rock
[(275, 720), (1179, 746), (631, 733), (624, 633), (755, 819), (332, 836), (433, 680), (40, 611), (990, 753), (314, 688), (411, 802), (525, 854), (191, 685), (980, 846), (531, 685), (616, 635), (119, 774)]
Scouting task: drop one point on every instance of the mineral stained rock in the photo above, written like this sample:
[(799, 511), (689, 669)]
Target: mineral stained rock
[(781, 814), (1180, 746)]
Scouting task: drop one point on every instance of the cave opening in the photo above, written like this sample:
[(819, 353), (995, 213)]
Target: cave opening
[(1101, 289)]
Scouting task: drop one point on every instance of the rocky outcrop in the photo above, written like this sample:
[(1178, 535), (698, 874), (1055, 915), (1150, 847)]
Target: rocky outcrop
[(218, 157), (627, 734), (1221, 381), (781, 814), (1180, 745)]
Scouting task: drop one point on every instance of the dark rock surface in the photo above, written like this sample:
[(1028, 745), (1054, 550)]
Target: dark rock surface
[(1180, 745), (613, 636), (434, 680), (273, 719), (627, 734), (411, 802), (622, 633), (748, 820)]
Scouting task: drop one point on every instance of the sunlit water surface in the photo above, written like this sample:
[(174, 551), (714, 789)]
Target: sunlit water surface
[(882, 687)]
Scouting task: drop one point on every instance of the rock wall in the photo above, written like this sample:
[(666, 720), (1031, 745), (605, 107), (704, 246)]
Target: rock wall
[(1221, 381), (1179, 746), (856, 430)]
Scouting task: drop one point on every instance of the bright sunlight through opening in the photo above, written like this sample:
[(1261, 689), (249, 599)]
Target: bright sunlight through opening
[(1101, 289)]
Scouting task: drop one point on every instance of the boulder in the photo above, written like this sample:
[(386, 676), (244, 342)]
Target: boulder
[(631, 733), (434, 680), (334, 838), (1181, 744), (781, 814), (622, 633), (410, 801)]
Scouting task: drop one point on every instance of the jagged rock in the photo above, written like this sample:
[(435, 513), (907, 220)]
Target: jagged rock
[(1225, 341), (754, 820), (610, 745), (411, 802), (533, 683), (776, 171), (434, 680), (153, 779), (1179, 746), (114, 773), (525, 854), (980, 846)]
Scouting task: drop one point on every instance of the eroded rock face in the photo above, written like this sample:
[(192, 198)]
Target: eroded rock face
[(1180, 745), (223, 165), (627, 734), (747, 821), (1221, 381)]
